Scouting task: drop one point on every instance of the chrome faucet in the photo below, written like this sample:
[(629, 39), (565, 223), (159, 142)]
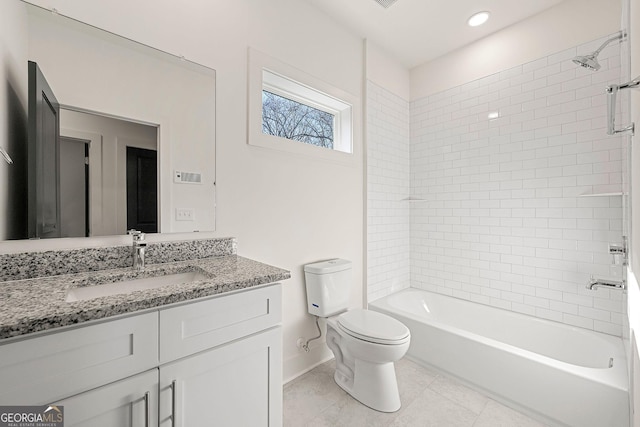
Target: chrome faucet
[(612, 284), (137, 250)]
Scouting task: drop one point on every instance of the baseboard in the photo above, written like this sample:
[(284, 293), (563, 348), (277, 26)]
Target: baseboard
[(303, 362)]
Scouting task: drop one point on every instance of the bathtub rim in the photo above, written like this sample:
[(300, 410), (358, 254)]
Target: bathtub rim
[(615, 377)]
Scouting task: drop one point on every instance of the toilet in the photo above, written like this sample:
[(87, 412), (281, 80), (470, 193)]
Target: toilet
[(365, 343)]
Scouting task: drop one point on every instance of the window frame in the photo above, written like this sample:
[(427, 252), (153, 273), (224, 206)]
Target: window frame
[(267, 73)]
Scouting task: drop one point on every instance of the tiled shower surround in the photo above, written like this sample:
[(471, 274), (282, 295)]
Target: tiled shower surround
[(515, 212), (387, 183)]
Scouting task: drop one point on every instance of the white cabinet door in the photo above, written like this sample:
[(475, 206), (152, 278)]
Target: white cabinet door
[(132, 402), (237, 384)]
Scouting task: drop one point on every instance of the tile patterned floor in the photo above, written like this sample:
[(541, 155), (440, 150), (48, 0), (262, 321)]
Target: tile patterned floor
[(428, 400)]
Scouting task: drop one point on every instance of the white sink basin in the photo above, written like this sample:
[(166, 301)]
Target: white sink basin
[(84, 293)]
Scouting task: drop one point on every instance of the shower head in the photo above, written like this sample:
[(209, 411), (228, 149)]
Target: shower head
[(590, 61)]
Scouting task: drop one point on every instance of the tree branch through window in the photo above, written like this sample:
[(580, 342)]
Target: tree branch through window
[(299, 122)]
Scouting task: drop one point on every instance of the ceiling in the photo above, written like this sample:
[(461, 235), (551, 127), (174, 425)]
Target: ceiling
[(417, 31)]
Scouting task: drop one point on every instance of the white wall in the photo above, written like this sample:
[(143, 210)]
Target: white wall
[(286, 210), (570, 23), (13, 124), (386, 72)]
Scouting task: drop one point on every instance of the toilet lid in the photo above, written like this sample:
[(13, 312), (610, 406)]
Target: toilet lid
[(373, 327)]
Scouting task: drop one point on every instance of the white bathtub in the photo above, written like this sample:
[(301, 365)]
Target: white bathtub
[(559, 373)]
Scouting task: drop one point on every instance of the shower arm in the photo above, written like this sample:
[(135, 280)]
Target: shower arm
[(618, 36), (612, 91)]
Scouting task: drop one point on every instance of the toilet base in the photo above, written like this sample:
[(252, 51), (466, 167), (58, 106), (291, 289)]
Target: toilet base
[(374, 385), (366, 369)]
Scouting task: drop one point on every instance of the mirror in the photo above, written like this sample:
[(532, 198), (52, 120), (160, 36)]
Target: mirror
[(102, 76)]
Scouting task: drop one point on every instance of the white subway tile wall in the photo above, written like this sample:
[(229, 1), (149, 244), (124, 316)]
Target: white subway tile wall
[(387, 183), (514, 215)]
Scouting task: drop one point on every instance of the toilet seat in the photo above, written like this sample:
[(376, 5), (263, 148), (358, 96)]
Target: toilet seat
[(373, 327)]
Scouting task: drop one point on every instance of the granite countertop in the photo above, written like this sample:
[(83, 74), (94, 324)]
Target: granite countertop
[(39, 304)]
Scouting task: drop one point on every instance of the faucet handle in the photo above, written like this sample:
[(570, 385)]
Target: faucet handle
[(619, 253), (138, 236)]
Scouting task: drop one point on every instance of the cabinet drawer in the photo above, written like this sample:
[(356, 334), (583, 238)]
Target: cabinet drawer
[(43, 369), (132, 402), (191, 328)]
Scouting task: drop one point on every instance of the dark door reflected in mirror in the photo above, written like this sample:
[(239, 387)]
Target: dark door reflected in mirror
[(142, 189), (44, 158)]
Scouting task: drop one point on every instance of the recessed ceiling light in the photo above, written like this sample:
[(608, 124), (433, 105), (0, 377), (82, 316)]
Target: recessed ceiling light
[(478, 19)]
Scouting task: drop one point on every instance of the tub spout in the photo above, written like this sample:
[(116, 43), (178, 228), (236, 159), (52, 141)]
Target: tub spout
[(612, 284)]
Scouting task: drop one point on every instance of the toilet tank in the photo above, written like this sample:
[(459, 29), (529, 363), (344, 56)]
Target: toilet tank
[(328, 286)]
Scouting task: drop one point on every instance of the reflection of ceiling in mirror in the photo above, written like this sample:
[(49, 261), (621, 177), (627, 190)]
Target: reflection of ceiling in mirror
[(93, 70)]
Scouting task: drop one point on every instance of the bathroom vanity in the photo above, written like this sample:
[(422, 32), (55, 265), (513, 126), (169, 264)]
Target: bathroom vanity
[(193, 353)]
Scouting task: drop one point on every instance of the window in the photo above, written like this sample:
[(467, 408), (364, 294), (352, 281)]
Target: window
[(292, 111), (294, 120)]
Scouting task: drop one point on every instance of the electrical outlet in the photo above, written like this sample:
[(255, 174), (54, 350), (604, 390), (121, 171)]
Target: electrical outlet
[(185, 214)]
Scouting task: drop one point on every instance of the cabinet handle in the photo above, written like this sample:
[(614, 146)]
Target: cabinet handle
[(147, 410), (173, 403)]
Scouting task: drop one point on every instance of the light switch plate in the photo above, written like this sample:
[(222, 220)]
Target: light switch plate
[(183, 214)]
